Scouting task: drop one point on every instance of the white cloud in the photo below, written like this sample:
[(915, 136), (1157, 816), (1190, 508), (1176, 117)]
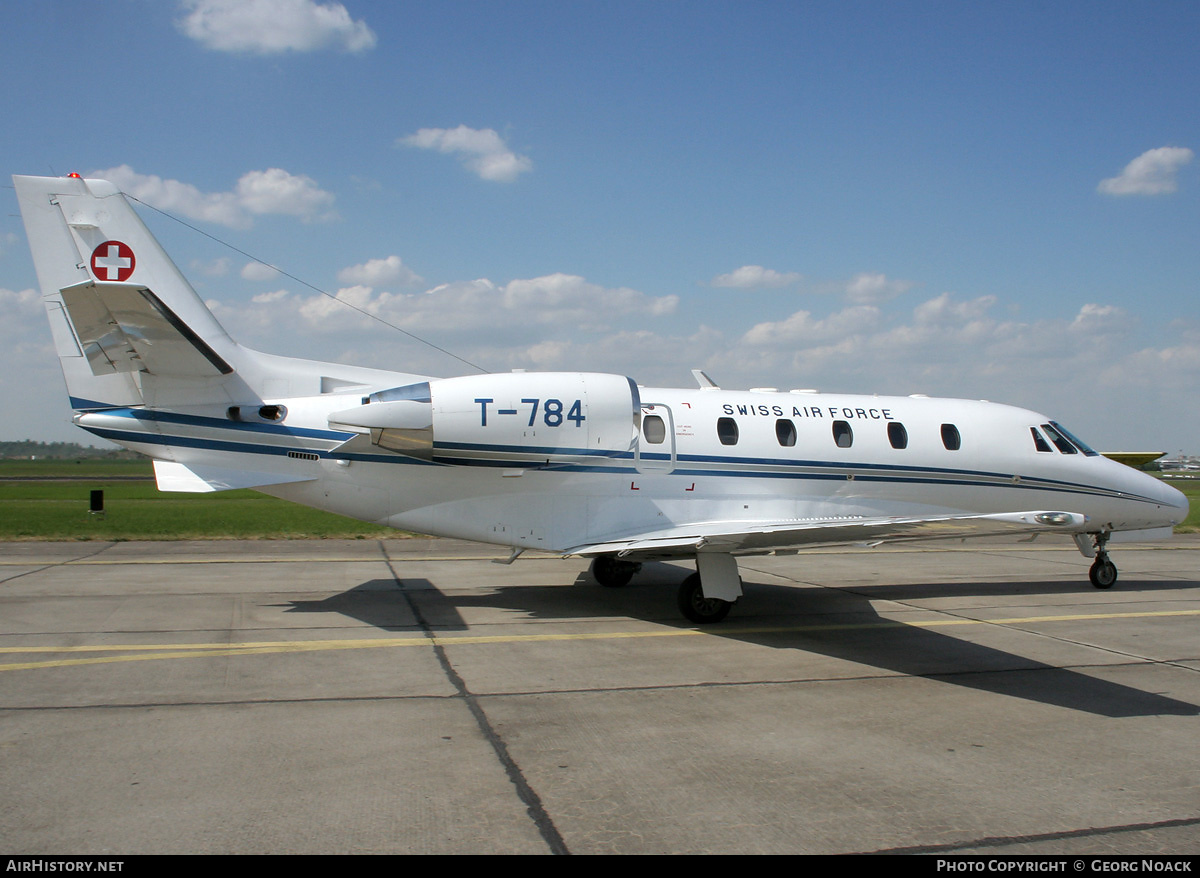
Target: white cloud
[(273, 191), (1097, 320), (945, 311), (802, 328), (276, 191), (258, 271), (1154, 172), (270, 27), (871, 289), (376, 272), (19, 302), (482, 151), (518, 312), (755, 277), (570, 298), (176, 197)]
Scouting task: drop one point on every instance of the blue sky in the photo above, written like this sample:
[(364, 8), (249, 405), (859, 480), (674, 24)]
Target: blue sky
[(993, 201)]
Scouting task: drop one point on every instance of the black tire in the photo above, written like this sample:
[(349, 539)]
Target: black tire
[(696, 607), (1103, 573), (611, 572)]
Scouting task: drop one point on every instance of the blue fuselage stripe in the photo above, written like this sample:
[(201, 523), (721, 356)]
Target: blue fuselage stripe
[(725, 467)]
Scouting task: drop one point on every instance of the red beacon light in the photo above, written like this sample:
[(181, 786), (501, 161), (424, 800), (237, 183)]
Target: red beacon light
[(76, 176)]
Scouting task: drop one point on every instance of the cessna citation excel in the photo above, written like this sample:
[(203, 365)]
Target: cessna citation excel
[(572, 463)]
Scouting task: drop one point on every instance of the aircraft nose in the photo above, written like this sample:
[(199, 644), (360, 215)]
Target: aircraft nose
[(1181, 502), (1171, 496)]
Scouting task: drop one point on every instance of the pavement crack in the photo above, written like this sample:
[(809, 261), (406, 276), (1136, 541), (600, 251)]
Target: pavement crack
[(66, 561), (525, 792)]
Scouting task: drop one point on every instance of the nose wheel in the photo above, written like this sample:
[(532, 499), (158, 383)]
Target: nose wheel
[(1104, 572)]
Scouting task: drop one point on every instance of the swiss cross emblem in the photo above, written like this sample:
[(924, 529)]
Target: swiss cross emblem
[(113, 260)]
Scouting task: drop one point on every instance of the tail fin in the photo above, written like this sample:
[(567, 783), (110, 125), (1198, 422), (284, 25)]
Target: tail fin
[(128, 327)]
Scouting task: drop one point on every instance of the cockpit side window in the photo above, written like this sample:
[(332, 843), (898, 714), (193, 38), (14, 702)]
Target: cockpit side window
[(1060, 441), (1039, 443)]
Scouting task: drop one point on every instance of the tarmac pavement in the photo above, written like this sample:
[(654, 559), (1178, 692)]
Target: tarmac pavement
[(412, 696)]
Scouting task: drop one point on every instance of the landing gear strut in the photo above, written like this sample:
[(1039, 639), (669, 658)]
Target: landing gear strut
[(705, 597), (1104, 572)]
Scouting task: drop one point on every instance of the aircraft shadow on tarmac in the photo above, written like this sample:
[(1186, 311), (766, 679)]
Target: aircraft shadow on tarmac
[(839, 623)]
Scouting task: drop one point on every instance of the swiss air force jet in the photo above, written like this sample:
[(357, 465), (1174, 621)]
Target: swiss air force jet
[(573, 463)]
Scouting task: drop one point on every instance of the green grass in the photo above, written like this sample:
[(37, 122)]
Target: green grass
[(1191, 489), (59, 469), (136, 510)]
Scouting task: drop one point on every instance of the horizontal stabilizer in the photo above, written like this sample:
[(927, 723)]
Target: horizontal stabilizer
[(125, 327), (194, 479)]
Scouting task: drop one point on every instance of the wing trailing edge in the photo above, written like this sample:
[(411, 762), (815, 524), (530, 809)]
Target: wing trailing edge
[(770, 536)]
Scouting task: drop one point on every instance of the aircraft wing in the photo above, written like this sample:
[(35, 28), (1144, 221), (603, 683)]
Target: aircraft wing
[(735, 538)]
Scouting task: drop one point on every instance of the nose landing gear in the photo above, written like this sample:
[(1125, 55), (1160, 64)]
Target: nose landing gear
[(1103, 573)]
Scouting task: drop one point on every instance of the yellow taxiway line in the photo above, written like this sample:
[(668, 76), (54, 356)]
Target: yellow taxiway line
[(154, 652)]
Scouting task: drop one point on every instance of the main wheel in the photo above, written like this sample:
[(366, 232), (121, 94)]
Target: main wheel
[(696, 607), (611, 572), (1103, 573)]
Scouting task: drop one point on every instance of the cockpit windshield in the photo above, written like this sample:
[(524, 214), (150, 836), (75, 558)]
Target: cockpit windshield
[(1065, 441), (1082, 446)]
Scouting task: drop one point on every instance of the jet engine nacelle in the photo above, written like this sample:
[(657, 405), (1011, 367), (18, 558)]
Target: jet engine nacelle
[(511, 419)]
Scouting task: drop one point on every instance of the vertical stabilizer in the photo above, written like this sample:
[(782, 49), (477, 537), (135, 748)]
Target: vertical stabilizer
[(128, 327)]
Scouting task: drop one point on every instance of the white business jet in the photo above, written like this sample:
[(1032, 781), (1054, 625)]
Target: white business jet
[(573, 463)]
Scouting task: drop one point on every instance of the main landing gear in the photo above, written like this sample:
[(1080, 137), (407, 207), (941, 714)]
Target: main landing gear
[(1104, 572), (696, 607), (705, 597), (612, 572)]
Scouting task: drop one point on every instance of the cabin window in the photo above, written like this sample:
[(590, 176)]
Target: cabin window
[(950, 437), (654, 429), (785, 432), (843, 436), (727, 431), (1039, 443), (1061, 442), (897, 435)]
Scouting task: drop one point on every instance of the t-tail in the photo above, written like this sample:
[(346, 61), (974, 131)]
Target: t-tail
[(147, 364)]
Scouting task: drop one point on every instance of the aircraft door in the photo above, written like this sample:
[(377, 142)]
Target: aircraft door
[(655, 451)]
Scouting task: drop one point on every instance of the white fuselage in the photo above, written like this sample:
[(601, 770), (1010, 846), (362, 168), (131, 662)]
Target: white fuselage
[(798, 457)]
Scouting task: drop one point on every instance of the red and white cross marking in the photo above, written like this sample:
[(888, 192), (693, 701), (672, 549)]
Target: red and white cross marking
[(113, 260)]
